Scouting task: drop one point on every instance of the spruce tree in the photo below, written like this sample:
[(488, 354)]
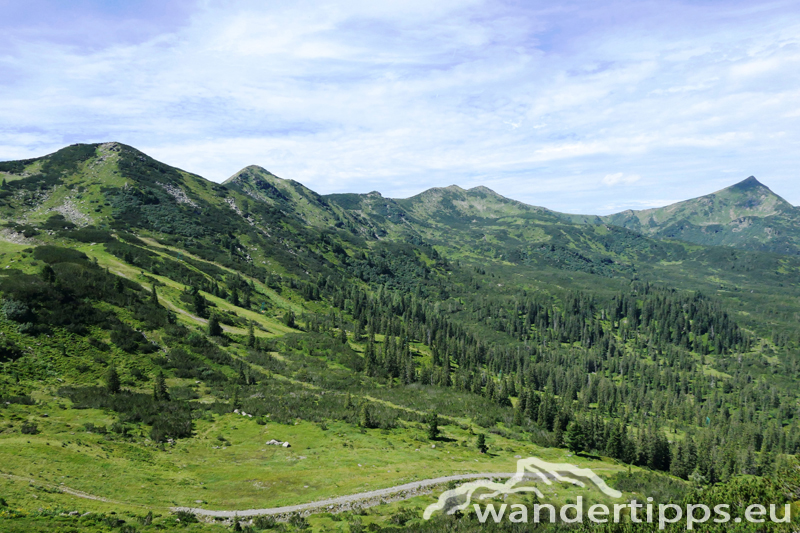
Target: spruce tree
[(214, 329), (160, 393), (480, 443), (112, 380), (237, 403), (365, 420), (575, 437), (251, 336), (200, 304), (370, 363), (48, 274), (518, 416), (433, 426)]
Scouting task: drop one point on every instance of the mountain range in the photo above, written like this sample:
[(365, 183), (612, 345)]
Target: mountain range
[(747, 215), (173, 348)]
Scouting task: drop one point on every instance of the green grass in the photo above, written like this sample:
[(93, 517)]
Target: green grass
[(240, 472)]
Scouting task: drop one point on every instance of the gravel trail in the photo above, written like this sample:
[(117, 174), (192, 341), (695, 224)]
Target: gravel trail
[(410, 489)]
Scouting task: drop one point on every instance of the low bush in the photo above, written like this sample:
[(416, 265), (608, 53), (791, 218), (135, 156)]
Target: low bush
[(29, 428)]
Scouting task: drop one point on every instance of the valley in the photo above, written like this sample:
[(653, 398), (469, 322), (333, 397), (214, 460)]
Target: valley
[(388, 341)]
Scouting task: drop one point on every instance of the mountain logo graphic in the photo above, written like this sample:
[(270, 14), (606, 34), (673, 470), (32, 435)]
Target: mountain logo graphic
[(530, 469)]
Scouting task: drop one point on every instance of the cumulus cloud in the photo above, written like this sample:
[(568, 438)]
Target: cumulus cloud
[(357, 95)]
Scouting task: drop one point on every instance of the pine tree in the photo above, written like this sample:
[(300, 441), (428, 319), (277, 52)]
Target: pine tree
[(235, 401), (112, 380), (200, 304), (501, 396), (48, 274), (576, 438), (365, 420), (153, 294), (160, 393), (480, 443), (518, 416), (251, 336), (532, 405), (558, 432), (370, 363), (433, 426), (214, 329)]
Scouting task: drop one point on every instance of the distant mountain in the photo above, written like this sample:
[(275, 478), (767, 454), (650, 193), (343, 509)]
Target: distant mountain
[(114, 185), (479, 202), (747, 215)]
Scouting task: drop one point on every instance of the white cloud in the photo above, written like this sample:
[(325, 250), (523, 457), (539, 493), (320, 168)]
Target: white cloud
[(620, 178), (356, 96)]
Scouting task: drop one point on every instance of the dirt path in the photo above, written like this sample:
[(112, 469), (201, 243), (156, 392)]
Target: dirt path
[(63, 489), (373, 497), (341, 503)]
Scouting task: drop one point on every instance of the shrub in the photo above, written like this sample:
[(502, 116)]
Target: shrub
[(91, 428), (21, 400), (56, 254), (17, 311), (174, 421), (265, 522), (298, 521), (88, 235), (57, 222), (8, 350), (29, 428), (186, 517)]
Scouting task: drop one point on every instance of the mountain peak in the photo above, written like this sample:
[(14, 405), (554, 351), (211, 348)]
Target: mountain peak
[(248, 173), (256, 168), (484, 190), (748, 185)]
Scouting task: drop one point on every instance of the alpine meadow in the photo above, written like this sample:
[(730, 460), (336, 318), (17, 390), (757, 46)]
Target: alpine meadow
[(182, 355)]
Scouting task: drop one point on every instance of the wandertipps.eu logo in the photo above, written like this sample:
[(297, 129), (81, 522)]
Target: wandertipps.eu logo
[(533, 469), (529, 470)]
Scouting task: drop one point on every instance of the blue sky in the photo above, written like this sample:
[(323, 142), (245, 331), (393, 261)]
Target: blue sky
[(589, 107)]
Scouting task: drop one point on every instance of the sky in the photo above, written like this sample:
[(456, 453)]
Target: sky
[(582, 107)]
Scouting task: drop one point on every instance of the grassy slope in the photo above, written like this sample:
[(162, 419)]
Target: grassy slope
[(322, 462)]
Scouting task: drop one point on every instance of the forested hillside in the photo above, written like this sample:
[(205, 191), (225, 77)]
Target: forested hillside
[(158, 328)]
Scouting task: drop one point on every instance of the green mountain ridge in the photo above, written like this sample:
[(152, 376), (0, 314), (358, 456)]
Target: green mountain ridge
[(746, 215), (145, 312)]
